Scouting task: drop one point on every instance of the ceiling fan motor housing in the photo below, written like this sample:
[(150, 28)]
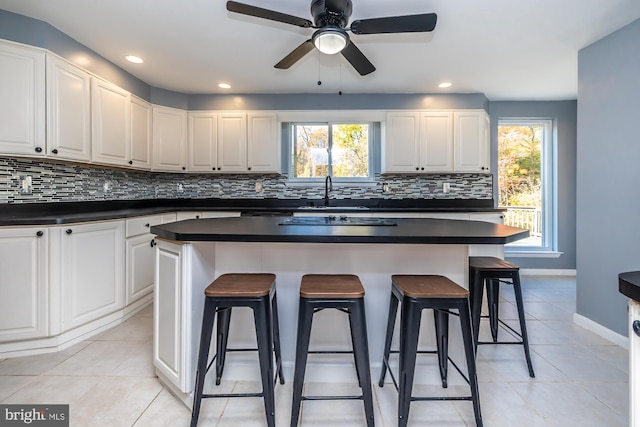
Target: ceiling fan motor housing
[(333, 13)]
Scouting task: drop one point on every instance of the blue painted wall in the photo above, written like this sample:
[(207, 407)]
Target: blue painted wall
[(608, 174)]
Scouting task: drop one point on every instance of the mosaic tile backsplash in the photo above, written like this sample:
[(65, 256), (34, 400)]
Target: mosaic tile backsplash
[(56, 182)]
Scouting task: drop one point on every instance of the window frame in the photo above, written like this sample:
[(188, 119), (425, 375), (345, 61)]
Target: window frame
[(336, 180), (549, 187)]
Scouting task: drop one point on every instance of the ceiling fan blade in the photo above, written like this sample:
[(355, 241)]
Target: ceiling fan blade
[(357, 59), (295, 55), (245, 9), (396, 24)]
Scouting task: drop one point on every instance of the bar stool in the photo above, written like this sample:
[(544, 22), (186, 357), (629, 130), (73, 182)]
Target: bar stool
[(415, 293), (254, 290), (343, 292), (490, 272)]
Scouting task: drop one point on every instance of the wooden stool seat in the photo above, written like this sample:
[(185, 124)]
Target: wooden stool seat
[(491, 263), (241, 285), (331, 286), (428, 286)]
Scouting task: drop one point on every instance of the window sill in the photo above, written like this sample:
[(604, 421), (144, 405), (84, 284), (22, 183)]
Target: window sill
[(531, 254)]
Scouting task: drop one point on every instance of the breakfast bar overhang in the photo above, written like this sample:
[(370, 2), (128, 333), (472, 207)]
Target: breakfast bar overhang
[(191, 254)]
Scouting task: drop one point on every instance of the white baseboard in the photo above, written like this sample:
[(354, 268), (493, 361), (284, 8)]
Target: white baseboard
[(547, 272), (600, 330)]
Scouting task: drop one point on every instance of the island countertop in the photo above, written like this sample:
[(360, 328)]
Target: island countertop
[(340, 230)]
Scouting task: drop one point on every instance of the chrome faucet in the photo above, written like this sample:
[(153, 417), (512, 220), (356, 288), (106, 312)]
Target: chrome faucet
[(328, 186)]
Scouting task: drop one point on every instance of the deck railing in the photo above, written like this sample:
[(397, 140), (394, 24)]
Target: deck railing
[(525, 217)]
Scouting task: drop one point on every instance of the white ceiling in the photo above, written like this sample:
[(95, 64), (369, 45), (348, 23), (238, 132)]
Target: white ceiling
[(506, 49)]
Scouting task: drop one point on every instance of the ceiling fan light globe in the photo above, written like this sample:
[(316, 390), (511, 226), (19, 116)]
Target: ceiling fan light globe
[(330, 40)]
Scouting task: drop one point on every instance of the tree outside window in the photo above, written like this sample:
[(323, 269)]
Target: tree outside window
[(339, 150)]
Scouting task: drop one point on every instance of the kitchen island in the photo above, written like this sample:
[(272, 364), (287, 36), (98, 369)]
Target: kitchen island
[(190, 254)]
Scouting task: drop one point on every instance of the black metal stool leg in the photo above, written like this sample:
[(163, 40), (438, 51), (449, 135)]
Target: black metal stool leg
[(203, 356), (517, 288), (353, 347), (493, 296), (224, 319), (476, 283), (305, 318), (262, 320), (410, 329), (393, 309), (441, 318), (276, 338), (467, 338), (361, 354)]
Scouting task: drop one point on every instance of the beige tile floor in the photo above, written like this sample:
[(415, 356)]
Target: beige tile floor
[(581, 379)]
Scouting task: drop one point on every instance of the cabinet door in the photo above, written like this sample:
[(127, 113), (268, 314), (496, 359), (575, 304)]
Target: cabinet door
[(169, 139), (263, 146), (232, 142), (436, 142), (402, 143), (203, 146), (140, 256), (471, 141), (140, 149), (92, 271), (68, 111), (23, 265), (110, 115), (22, 100)]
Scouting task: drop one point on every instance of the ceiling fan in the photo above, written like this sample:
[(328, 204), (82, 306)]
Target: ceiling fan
[(330, 18)]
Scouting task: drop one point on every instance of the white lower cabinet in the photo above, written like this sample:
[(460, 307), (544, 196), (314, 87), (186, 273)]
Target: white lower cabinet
[(140, 255), (91, 271), (24, 284)]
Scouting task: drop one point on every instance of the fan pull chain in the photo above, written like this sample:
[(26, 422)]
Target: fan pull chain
[(340, 80), (319, 80)]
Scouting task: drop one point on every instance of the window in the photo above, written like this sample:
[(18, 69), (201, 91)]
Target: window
[(342, 150), (526, 181)]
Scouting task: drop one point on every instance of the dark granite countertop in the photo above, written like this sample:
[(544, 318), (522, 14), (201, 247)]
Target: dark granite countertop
[(629, 284), (396, 230), (12, 214)]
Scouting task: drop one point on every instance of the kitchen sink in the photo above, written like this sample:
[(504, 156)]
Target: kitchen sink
[(336, 221)]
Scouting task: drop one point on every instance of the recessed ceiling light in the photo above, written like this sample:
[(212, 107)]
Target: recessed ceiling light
[(134, 59), (224, 85), (444, 85)]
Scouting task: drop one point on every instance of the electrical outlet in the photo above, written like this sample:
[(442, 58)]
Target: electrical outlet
[(385, 188), (180, 187), (259, 187), (26, 184), (446, 187), (107, 186)]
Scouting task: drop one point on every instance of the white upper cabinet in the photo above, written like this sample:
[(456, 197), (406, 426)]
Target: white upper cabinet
[(141, 127), (110, 115), (471, 141), (68, 111), (203, 141), (169, 139), (263, 146), (22, 100), (436, 142), (232, 142), (432, 141), (402, 142)]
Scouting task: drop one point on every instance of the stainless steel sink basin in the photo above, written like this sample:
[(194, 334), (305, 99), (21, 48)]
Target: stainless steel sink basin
[(336, 221)]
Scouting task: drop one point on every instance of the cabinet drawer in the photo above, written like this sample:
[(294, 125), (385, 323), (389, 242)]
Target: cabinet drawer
[(141, 225)]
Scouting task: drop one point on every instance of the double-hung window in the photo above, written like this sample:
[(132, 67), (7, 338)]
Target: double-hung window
[(526, 181), (341, 150)]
